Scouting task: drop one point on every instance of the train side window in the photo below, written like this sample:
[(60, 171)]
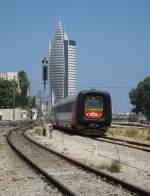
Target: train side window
[(61, 109), (72, 105), (67, 107)]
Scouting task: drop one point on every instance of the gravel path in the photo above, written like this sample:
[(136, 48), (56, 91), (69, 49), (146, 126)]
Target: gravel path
[(16, 177), (135, 167)]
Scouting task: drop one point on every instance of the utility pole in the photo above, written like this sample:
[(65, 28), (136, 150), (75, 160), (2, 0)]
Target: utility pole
[(44, 78), (40, 104), (14, 100), (29, 106)]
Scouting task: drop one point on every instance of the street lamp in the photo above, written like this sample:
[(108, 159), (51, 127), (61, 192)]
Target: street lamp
[(44, 77)]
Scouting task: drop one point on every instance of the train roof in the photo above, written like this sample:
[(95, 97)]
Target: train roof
[(74, 96), (94, 91), (66, 99)]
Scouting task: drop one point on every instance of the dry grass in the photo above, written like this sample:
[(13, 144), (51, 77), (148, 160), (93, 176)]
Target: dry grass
[(148, 134), (137, 133)]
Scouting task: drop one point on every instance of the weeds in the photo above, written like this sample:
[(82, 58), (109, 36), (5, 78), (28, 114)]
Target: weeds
[(38, 131), (148, 135), (116, 131), (131, 132), (114, 167), (137, 133)]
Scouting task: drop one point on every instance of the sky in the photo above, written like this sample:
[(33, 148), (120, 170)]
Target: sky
[(112, 37)]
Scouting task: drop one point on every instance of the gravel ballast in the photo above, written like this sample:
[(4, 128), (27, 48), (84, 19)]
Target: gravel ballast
[(135, 167), (16, 177), (73, 177)]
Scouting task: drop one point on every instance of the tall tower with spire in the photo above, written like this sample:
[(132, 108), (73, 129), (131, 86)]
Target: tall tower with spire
[(62, 65), (70, 66)]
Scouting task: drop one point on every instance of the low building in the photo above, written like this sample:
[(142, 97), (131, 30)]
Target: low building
[(9, 114), (9, 75)]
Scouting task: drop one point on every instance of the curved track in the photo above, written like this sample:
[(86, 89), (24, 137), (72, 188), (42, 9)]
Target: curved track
[(64, 172)]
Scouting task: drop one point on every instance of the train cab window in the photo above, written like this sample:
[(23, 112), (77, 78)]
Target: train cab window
[(93, 107)]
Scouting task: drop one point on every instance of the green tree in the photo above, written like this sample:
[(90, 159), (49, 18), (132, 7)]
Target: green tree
[(140, 98), (23, 83), (24, 87), (33, 102), (6, 94)]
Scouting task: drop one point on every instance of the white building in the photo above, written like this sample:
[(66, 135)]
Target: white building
[(9, 75), (56, 65), (70, 66), (10, 114), (62, 66)]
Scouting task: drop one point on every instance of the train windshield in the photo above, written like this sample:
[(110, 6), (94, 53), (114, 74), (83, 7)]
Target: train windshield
[(93, 107), (93, 104)]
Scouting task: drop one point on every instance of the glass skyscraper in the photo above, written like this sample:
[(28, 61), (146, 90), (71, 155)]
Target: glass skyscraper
[(62, 66)]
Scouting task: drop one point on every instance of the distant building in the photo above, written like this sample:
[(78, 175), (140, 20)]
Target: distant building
[(62, 66), (7, 114), (120, 116), (9, 75), (70, 66)]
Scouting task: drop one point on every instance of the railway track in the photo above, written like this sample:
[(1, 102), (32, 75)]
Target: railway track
[(125, 142), (129, 124), (69, 176), (111, 139)]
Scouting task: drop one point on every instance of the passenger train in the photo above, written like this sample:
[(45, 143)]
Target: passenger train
[(86, 112)]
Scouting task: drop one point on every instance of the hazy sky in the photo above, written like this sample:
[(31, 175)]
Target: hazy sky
[(113, 41)]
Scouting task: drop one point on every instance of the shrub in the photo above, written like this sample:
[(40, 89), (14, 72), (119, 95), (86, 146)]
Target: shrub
[(114, 167)]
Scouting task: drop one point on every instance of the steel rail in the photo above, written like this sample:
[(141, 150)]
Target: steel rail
[(109, 178), (129, 124), (49, 177), (131, 144)]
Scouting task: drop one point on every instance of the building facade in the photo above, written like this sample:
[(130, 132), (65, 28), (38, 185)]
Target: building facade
[(70, 66), (9, 75), (62, 66)]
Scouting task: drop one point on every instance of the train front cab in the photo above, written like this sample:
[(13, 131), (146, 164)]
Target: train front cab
[(93, 111)]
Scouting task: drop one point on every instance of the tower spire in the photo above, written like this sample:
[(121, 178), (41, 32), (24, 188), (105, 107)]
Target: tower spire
[(59, 21), (65, 36)]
